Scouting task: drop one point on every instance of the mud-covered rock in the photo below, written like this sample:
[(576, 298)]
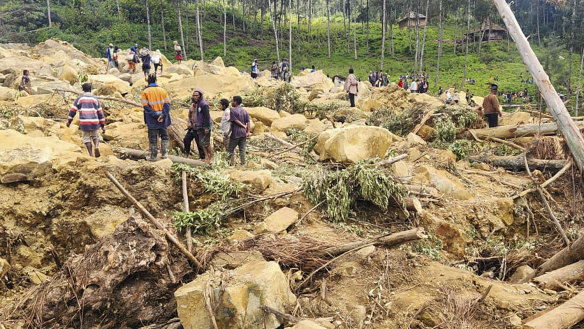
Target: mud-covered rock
[(259, 179), (264, 114), (294, 121), (238, 295), (278, 221)]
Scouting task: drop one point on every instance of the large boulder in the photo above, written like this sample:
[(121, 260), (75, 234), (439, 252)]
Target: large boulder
[(354, 143), (294, 121), (7, 94), (181, 69), (315, 80), (238, 295), (516, 118), (110, 83), (259, 179), (68, 73), (211, 84), (17, 64), (278, 221), (442, 180), (218, 62), (24, 158), (264, 114), (57, 53), (314, 127)]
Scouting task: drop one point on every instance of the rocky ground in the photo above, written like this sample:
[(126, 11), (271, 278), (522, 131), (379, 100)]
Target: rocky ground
[(400, 213)]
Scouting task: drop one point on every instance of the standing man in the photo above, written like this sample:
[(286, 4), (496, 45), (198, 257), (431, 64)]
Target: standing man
[(225, 124), (199, 127), (91, 118), (254, 68), (109, 54), (274, 70), (146, 63), (491, 107), (156, 105), (156, 61), (414, 86), (240, 130), (352, 86)]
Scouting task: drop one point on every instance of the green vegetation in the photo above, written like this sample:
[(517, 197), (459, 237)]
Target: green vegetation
[(340, 189)]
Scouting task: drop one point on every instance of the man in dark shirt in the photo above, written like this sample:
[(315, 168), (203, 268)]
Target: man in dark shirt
[(240, 130), (491, 107)]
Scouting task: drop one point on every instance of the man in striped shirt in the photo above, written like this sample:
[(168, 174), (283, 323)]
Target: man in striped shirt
[(156, 104), (91, 118)]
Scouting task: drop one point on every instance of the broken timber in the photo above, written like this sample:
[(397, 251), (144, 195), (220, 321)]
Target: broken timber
[(565, 124), (139, 154), (557, 279), (520, 130), (562, 317), (516, 162), (566, 256)]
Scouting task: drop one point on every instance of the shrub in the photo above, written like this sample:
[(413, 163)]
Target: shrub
[(446, 130), (461, 148)]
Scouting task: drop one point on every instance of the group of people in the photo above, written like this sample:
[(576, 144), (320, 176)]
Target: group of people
[(135, 56), (378, 78), (513, 96), (281, 71), (235, 122)]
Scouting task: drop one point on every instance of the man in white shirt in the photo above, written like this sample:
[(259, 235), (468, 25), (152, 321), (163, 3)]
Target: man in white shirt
[(414, 86), (225, 124)]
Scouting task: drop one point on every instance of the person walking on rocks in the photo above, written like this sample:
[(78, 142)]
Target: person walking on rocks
[(254, 68), (91, 118), (199, 127), (146, 63), (133, 60), (352, 86), (225, 124), (491, 107), (25, 82), (240, 130), (109, 54), (274, 70), (177, 52), (156, 61), (156, 104)]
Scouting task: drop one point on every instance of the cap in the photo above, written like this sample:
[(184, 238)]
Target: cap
[(494, 86), (111, 44)]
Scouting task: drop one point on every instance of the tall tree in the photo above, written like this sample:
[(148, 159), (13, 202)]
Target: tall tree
[(161, 22), (180, 28), (328, 27), (275, 30), (579, 87), (391, 45), (49, 12), (440, 36), (233, 13), (456, 28), (383, 28), (309, 16), (199, 30), (355, 31), (367, 49), (424, 39), (417, 36), (148, 21), (467, 35), (118, 6), (290, 35), (225, 28)]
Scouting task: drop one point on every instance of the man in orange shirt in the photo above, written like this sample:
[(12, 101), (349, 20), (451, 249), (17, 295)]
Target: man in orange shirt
[(491, 107), (156, 105)]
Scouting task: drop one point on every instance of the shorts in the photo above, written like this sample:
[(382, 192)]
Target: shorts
[(254, 75), (204, 139), (146, 70), (89, 135), (132, 66)]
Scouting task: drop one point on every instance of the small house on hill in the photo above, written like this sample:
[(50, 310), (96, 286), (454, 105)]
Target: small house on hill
[(488, 32), (410, 20)]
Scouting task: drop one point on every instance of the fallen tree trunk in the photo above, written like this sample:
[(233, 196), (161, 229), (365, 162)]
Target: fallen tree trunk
[(562, 317), (570, 129), (566, 256), (387, 241), (516, 162), (139, 154), (547, 182), (520, 130), (557, 279)]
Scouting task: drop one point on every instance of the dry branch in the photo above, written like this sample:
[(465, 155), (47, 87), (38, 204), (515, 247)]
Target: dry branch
[(566, 256), (508, 143), (557, 279), (154, 221), (547, 182), (426, 117), (546, 203), (387, 241), (519, 130), (562, 317), (139, 154), (516, 162), (186, 208), (389, 161)]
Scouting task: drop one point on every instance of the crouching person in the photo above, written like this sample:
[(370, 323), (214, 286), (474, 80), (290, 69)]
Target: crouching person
[(91, 118), (240, 130), (156, 104)]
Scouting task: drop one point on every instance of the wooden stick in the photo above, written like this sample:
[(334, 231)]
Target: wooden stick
[(426, 117), (186, 208), (139, 154), (516, 162), (557, 279), (206, 294), (284, 316), (389, 161), (547, 182), (515, 131), (564, 257), (508, 143), (295, 146), (546, 203), (387, 241), (558, 110), (108, 98), (562, 317), (279, 140), (154, 221)]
